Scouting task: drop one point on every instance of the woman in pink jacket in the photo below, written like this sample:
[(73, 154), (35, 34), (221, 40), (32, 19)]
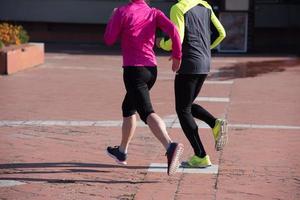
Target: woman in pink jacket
[(135, 24)]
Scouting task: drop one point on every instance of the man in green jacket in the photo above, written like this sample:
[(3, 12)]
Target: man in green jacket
[(193, 19)]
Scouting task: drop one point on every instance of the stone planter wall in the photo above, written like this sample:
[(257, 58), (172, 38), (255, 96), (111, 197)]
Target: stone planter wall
[(17, 58)]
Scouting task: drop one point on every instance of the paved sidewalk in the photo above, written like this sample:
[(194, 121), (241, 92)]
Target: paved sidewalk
[(57, 119)]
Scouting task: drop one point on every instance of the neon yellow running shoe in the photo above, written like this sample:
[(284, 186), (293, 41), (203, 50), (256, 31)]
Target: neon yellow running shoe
[(197, 162), (220, 134)]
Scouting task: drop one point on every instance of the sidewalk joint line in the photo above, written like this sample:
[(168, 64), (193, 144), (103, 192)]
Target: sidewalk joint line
[(170, 123), (213, 99)]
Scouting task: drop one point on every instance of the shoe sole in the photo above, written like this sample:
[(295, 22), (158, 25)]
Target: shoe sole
[(174, 165), (116, 159), (223, 137)]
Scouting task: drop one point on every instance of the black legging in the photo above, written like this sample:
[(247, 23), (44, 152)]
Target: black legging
[(138, 82), (187, 88)]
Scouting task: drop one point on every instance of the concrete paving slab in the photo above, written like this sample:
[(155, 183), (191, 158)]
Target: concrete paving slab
[(9, 183), (162, 168)]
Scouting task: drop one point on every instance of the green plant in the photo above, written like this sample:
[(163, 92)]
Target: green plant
[(23, 36), (1, 44), (12, 34)]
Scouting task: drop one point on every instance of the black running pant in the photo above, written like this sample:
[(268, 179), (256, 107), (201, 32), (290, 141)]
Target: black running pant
[(138, 82), (187, 88)]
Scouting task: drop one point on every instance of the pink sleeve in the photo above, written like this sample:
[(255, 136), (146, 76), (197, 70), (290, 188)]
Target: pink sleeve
[(168, 27), (113, 28)]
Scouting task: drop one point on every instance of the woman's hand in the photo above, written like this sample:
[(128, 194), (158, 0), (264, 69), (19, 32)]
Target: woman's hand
[(157, 41), (175, 64)]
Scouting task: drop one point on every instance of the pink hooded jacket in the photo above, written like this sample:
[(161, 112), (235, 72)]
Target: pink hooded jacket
[(135, 24)]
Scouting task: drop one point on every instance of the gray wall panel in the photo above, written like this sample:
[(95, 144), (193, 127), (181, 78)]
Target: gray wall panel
[(66, 11), (294, 15), (277, 16)]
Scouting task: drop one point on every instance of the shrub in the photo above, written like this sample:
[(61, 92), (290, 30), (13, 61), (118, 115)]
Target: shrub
[(12, 34), (1, 44)]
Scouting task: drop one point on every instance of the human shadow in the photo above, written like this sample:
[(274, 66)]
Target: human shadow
[(67, 164), (69, 181), (63, 168), (66, 167)]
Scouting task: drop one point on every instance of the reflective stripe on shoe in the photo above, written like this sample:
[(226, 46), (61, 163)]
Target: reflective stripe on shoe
[(174, 154)]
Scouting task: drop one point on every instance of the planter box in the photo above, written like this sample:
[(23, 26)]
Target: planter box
[(17, 58)]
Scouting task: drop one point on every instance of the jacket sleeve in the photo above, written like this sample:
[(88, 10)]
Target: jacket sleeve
[(168, 27), (221, 31), (177, 18), (113, 28)]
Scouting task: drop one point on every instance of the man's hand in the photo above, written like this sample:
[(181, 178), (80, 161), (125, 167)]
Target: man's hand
[(175, 64), (157, 41)]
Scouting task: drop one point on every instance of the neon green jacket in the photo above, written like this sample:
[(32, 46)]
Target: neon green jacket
[(177, 17)]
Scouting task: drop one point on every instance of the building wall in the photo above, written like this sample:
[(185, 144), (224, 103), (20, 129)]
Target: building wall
[(74, 21), (84, 20), (276, 26), (277, 15), (64, 11)]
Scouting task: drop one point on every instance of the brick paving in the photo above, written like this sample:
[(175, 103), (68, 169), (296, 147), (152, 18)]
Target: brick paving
[(69, 161)]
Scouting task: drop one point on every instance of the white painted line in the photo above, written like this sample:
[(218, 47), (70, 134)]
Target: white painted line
[(82, 123), (214, 70), (213, 99), (10, 123), (162, 168), (32, 123), (9, 183), (257, 126), (108, 123), (171, 122), (52, 123), (219, 82)]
